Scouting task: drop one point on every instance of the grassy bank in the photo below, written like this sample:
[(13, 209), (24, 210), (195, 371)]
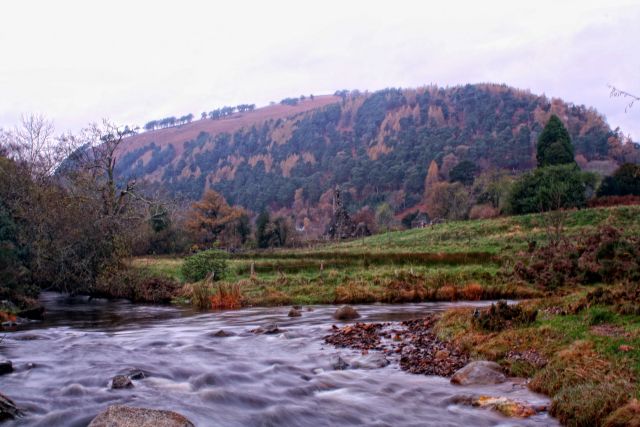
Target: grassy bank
[(582, 352), (443, 262)]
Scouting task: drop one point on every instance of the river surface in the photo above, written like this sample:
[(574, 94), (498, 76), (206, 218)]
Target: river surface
[(63, 367)]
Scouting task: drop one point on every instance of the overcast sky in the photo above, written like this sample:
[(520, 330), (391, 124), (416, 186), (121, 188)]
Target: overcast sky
[(133, 61)]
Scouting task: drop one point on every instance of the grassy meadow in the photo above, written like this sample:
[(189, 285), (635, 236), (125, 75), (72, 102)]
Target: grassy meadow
[(447, 261)]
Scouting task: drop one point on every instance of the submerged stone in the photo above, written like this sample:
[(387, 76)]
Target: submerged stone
[(121, 381), (346, 312), (6, 367)]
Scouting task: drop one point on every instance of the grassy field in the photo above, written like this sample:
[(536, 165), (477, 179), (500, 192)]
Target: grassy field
[(436, 263)]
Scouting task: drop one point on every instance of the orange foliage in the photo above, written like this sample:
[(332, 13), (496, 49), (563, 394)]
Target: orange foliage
[(446, 293), (209, 217), (433, 177), (472, 292), (288, 164), (227, 297)]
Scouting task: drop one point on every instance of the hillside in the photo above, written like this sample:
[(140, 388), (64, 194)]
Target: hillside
[(377, 146)]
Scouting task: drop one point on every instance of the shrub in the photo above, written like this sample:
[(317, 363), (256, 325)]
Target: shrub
[(134, 285), (550, 188), (446, 293), (484, 211), (626, 416), (604, 256), (624, 181), (606, 201), (200, 295), (502, 315), (472, 292), (199, 266), (227, 296)]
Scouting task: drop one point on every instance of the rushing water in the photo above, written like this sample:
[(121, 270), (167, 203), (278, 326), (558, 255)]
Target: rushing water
[(63, 368)]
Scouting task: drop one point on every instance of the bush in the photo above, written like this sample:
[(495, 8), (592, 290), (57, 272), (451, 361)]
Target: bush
[(484, 211), (606, 201), (550, 188), (502, 315), (605, 256), (227, 297), (134, 285), (200, 265), (624, 181)]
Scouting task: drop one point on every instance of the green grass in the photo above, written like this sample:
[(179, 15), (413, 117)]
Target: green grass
[(588, 374), (454, 253)]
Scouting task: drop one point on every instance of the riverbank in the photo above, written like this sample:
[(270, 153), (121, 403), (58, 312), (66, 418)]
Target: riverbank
[(582, 349)]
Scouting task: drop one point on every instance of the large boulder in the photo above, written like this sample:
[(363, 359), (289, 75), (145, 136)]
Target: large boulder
[(480, 372), (346, 312), (8, 409), (126, 416)]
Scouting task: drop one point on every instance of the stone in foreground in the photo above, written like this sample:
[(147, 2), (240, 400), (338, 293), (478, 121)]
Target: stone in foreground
[(126, 416), (480, 372), (346, 312)]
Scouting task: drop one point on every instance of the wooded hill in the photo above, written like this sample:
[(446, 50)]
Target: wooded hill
[(376, 146)]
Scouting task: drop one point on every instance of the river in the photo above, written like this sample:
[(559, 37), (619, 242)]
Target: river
[(63, 367)]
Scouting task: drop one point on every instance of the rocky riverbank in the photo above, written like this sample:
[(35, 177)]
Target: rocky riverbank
[(413, 344)]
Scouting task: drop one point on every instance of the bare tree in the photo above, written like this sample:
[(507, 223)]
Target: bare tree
[(617, 93), (33, 145)]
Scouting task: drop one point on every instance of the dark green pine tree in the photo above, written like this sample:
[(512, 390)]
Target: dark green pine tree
[(554, 144)]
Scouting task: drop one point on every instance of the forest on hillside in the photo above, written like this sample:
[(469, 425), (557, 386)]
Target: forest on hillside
[(376, 146)]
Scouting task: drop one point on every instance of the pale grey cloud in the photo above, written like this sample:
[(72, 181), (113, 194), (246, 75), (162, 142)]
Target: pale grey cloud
[(78, 61)]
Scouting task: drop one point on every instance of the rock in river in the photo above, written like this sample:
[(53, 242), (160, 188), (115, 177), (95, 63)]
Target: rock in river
[(294, 313), (126, 416), (346, 312), (6, 367), (369, 361), (121, 381), (481, 372), (8, 409), (269, 329)]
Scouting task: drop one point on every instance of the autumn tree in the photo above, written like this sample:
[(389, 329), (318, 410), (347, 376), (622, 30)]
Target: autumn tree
[(432, 178), (210, 217), (448, 200)]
